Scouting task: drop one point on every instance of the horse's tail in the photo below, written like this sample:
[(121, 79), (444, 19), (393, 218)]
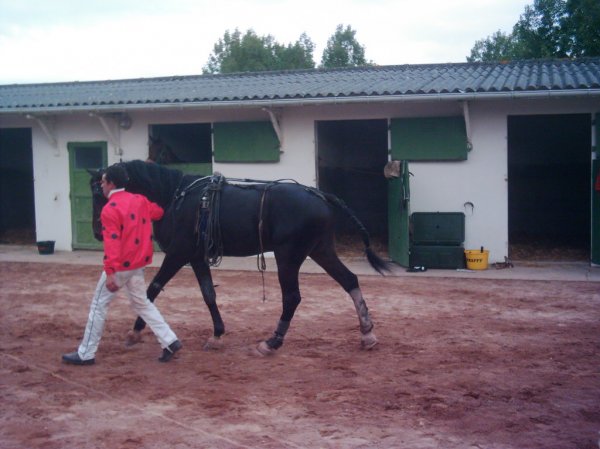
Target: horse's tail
[(378, 264)]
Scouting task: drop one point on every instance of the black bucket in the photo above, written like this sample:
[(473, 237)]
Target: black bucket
[(46, 247)]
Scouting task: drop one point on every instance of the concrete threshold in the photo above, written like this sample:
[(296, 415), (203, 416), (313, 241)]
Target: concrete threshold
[(526, 270)]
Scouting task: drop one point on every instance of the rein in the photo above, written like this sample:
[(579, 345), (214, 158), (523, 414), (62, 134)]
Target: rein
[(210, 223)]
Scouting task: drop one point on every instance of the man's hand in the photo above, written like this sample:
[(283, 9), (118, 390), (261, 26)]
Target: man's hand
[(111, 283)]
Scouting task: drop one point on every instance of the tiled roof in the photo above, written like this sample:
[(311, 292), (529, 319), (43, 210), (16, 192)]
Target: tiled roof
[(334, 85)]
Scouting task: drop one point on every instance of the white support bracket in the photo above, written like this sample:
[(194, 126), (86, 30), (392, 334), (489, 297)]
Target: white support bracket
[(112, 137), (48, 129), (467, 117), (275, 123)]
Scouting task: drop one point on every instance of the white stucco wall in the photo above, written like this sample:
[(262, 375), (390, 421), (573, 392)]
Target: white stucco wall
[(483, 178), (435, 186)]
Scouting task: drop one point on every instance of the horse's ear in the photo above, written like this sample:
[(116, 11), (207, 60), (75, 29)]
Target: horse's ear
[(95, 174)]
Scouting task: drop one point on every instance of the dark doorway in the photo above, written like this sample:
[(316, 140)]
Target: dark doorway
[(17, 207), (549, 193), (351, 156), (188, 142)]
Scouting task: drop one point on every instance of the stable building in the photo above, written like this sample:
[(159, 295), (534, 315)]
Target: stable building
[(508, 148)]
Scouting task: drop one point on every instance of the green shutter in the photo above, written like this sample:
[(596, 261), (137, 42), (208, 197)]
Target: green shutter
[(245, 142), (429, 139)]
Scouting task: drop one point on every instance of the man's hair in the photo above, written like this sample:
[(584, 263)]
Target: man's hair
[(117, 175)]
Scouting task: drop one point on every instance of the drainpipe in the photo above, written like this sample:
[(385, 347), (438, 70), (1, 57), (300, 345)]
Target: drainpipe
[(467, 117)]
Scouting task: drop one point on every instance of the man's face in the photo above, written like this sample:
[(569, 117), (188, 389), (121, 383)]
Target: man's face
[(107, 186)]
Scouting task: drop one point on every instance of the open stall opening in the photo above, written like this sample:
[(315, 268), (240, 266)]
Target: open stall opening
[(549, 173), (351, 155), (181, 143), (17, 206)]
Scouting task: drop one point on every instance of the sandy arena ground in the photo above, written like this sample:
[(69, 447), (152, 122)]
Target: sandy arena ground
[(462, 363)]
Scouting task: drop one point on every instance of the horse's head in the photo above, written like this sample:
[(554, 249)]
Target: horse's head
[(160, 152), (98, 201)]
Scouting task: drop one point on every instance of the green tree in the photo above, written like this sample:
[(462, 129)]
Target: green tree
[(548, 29), (296, 56), (538, 33), (582, 24), (252, 53), (343, 50), (496, 47)]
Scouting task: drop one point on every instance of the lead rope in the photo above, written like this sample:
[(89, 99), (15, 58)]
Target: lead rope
[(261, 264)]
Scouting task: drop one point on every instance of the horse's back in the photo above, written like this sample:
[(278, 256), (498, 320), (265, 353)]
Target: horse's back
[(295, 210), (289, 212)]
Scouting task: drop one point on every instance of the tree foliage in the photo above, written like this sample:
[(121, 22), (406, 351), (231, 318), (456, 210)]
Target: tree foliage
[(548, 29), (248, 52), (252, 53), (343, 50), (583, 26)]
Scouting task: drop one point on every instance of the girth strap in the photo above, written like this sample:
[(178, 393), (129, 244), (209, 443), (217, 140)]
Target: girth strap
[(262, 266), (260, 257)]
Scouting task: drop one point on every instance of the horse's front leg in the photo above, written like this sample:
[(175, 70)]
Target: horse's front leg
[(169, 268), (204, 277), (290, 295)]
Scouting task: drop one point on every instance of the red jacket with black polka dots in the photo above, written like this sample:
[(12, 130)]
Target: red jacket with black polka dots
[(127, 231)]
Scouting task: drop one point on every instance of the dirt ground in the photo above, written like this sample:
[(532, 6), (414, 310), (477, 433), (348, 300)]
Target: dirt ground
[(462, 363)]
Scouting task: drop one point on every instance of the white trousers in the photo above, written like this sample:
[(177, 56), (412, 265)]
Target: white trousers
[(133, 283)]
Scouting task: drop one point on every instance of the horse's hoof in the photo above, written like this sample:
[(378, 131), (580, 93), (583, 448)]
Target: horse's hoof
[(213, 343), (133, 338), (368, 341), (264, 349)]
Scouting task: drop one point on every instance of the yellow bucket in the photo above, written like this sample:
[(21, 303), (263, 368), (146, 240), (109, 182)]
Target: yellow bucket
[(477, 259)]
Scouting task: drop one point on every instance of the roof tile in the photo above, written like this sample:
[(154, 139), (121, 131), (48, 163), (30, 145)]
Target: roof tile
[(373, 81)]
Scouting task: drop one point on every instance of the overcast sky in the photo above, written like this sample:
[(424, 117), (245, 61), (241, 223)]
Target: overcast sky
[(80, 40)]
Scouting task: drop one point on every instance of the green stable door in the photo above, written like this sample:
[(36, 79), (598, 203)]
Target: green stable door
[(418, 139), (398, 216), (84, 156), (595, 249)]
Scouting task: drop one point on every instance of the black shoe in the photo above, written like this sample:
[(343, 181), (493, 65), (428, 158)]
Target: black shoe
[(74, 359), (170, 351)]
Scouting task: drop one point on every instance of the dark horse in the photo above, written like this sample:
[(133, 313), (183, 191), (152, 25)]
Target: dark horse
[(292, 220)]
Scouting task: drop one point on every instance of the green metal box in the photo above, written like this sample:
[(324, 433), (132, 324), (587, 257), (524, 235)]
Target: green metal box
[(437, 256), (437, 228)]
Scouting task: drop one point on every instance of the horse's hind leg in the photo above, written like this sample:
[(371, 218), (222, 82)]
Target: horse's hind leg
[(202, 272), (169, 268), (326, 257)]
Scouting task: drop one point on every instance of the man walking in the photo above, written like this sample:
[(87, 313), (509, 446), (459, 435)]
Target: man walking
[(127, 235)]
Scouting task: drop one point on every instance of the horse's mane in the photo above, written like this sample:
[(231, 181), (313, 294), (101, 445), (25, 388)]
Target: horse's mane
[(156, 182)]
